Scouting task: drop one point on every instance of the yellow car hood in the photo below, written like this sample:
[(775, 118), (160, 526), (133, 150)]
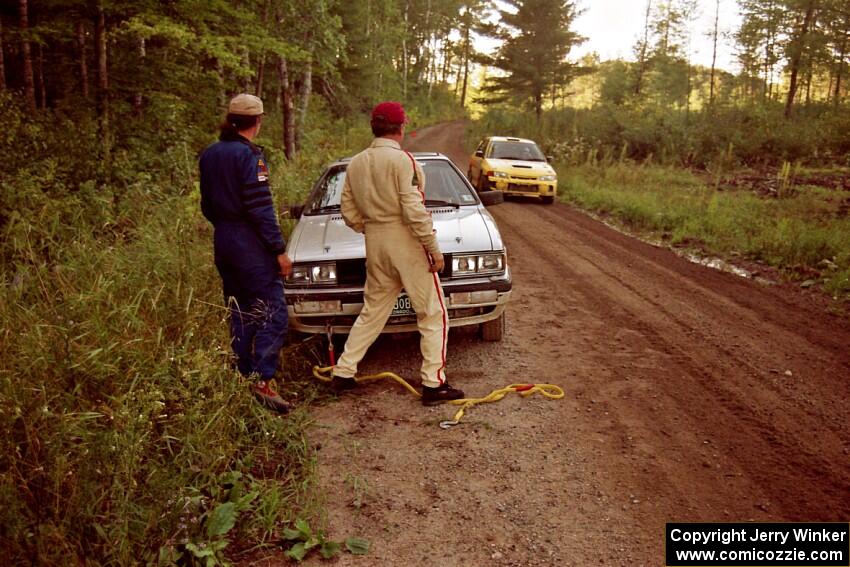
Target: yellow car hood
[(518, 168)]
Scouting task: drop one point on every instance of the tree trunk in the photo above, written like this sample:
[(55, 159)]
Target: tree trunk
[(138, 99), (41, 91), (84, 66), (797, 56), (404, 55), (102, 86), (466, 54), (714, 52), (642, 59), (2, 60), (261, 67), (305, 88), (286, 109), (842, 52), (29, 81)]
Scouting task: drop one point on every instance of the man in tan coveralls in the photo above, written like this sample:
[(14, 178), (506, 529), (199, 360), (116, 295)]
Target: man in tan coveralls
[(384, 198)]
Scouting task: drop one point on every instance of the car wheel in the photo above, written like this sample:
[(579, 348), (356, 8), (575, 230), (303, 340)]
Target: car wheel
[(492, 331), (483, 184), (548, 200)]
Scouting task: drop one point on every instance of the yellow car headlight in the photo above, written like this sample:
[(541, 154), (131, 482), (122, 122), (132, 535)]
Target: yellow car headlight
[(548, 178)]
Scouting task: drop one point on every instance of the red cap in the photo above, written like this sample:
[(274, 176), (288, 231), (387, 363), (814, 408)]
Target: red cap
[(392, 112)]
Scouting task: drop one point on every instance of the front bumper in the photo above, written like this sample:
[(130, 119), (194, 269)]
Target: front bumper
[(524, 187), (458, 293)]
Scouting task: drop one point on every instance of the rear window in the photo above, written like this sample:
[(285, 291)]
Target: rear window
[(443, 185)]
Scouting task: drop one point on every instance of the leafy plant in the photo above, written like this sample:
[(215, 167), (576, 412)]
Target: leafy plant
[(305, 539)]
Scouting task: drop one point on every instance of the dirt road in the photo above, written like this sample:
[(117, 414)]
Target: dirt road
[(692, 395)]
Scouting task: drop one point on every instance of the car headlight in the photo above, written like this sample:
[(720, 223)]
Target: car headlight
[(499, 174), (548, 177), (324, 273), (478, 264), (299, 275)]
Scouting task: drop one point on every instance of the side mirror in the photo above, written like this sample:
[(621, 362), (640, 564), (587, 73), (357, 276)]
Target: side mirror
[(490, 198), (295, 211), (479, 153), (550, 159)]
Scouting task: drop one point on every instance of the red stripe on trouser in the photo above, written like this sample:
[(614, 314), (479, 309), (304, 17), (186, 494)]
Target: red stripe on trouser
[(442, 369)]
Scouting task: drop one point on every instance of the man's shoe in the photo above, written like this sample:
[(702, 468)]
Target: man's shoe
[(440, 394), (340, 385), (269, 398)]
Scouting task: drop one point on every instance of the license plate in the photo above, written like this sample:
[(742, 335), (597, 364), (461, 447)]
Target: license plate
[(402, 306)]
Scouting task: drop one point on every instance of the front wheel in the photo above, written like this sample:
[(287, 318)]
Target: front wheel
[(483, 184), (492, 331)]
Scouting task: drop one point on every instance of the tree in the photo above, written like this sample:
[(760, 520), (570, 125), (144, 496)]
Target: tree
[(2, 60), (714, 50), (533, 57), (29, 80), (797, 47), (642, 49)]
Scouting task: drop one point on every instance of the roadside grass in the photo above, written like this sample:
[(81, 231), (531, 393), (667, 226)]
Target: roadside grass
[(802, 234), (124, 426), (126, 436)]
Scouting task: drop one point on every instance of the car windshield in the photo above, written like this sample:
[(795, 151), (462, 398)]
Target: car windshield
[(444, 186), (526, 151)]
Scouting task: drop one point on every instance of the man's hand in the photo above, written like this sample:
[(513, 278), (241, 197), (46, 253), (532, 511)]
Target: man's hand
[(285, 264), (437, 262)]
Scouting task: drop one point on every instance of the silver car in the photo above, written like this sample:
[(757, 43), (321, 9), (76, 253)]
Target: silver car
[(325, 291)]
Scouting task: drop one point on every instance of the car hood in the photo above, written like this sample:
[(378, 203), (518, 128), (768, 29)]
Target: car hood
[(319, 238), (520, 167)]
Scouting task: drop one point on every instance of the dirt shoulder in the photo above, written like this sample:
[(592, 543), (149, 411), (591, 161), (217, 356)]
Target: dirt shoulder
[(692, 395)]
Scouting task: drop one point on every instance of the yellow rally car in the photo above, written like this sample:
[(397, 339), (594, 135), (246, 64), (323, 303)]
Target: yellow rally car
[(514, 166)]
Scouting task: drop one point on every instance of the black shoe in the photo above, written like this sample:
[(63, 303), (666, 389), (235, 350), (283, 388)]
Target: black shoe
[(440, 394), (340, 385), (269, 398)]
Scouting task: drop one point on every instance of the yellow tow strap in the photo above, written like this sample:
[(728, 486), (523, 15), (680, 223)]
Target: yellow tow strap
[(550, 391)]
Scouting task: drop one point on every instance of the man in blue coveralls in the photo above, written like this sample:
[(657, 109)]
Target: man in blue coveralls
[(249, 248)]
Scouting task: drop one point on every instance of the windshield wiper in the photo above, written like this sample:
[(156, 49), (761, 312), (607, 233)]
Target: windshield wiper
[(438, 203)]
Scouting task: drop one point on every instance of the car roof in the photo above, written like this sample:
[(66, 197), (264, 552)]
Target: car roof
[(511, 139), (417, 155)]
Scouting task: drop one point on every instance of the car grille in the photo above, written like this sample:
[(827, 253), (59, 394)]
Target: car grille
[(524, 188), (353, 272), (524, 178)]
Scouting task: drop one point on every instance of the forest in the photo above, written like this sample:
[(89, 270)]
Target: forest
[(125, 438)]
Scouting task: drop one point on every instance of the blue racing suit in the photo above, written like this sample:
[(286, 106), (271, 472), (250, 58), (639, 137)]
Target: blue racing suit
[(236, 199)]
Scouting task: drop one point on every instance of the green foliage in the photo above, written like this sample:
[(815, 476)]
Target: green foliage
[(303, 539), (730, 136)]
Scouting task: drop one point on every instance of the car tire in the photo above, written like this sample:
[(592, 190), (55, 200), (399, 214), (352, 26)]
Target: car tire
[(492, 331), (548, 200), (483, 184)]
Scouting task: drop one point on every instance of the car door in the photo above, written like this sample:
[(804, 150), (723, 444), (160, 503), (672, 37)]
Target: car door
[(475, 162)]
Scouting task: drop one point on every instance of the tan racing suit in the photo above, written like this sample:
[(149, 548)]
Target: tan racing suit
[(383, 197)]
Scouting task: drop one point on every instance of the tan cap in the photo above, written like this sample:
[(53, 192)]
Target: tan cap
[(245, 105)]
